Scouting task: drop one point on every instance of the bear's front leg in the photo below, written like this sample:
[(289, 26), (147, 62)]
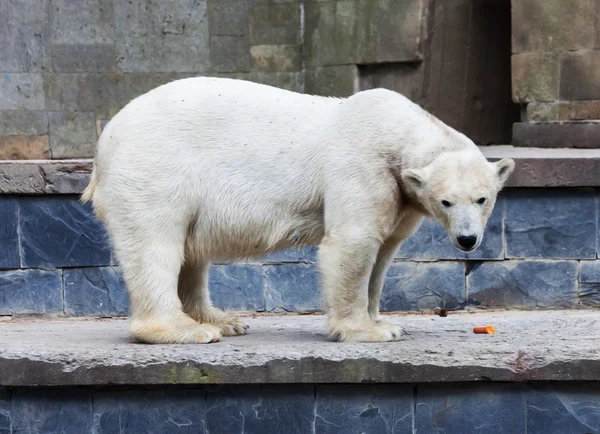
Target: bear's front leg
[(346, 260)]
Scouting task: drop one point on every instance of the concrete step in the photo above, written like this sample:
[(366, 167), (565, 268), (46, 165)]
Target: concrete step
[(527, 346)]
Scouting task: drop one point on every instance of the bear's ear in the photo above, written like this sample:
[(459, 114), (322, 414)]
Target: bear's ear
[(414, 179), (504, 168)]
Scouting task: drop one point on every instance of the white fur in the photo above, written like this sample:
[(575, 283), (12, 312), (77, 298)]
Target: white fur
[(206, 169)]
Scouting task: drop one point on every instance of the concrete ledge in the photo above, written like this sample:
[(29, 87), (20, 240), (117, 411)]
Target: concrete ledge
[(528, 346), (536, 167)]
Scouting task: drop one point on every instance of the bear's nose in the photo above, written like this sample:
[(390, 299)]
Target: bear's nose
[(467, 242)]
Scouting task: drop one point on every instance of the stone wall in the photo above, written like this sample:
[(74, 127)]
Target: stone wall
[(271, 409), (67, 67), (540, 251), (555, 72)]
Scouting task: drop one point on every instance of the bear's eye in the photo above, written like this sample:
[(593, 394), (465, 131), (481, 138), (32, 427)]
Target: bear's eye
[(446, 204), (481, 201)]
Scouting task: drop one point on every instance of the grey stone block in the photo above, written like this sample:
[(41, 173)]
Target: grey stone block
[(273, 23), (69, 92), (61, 232), (423, 285), (531, 284), (22, 92), (83, 58), (72, 134), (113, 91), (284, 80), (65, 411), (162, 36), (560, 409), (551, 224), (349, 409), (9, 238), (589, 283), (478, 408), (338, 81), (150, 412), (276, 58), (30, 292), (24, 35), (95, 292), (83, 22), (42, 177), (265, 410), (228, 17), (431, 241), (21, 122), (292, 288), (230, 53), (5, 419), (237, 287)]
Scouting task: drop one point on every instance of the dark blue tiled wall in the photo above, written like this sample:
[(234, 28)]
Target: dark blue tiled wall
[(292, 288), (9, 240), (589, 283), (60, 232), (95, 292), (237, 287), (451, 408), (30, 292)]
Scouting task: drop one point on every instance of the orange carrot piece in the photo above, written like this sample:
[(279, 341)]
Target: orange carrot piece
[(484, 330)]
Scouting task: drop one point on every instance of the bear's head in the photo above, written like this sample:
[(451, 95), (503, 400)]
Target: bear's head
[(459, 189)]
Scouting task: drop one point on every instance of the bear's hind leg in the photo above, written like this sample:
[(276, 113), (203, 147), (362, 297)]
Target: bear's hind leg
[(193, 291), (151, 261)]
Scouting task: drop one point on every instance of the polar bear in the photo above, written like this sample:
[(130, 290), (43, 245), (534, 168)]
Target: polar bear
[(205, 169)]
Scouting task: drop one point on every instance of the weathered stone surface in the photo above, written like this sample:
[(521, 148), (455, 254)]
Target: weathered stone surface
[(589, 283), (352, 409), (355, 32), (24, 147), (405, 78), (558, 409), (30, 292), (471, 408), (284, 80), (52, 411), (544, 111), (551, 224), (562, 134), (535, 77), (584, 110), (9, 238), (431, 241), (276, 58), (292, 288), (5, 418), (423, 286), (265, 410), (72, 134), (22, 92), (181, 411), (527, 346), (95, 292), (237, 287), (83, 58), (39, 177), (83, 22), (272, 23), (530, 284), (60, 232), (113, 91), (230, 53), (158, 37), (553, 25), (340, 81), (24, 36), (228, 17), (580, 75), (21, 122), (69, 92)]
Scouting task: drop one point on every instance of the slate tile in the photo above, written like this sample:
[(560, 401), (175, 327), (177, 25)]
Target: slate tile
[(292, 288), (61, 232), (589, 283), (237, 287), (95, 292), (30, 292), (5, 411), (9, 238)]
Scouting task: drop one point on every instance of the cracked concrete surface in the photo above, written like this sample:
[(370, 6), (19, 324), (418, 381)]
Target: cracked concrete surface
[(527, 346)]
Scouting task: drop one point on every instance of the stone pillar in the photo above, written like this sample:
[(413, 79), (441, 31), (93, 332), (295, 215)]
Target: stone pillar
[(556, 72)]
